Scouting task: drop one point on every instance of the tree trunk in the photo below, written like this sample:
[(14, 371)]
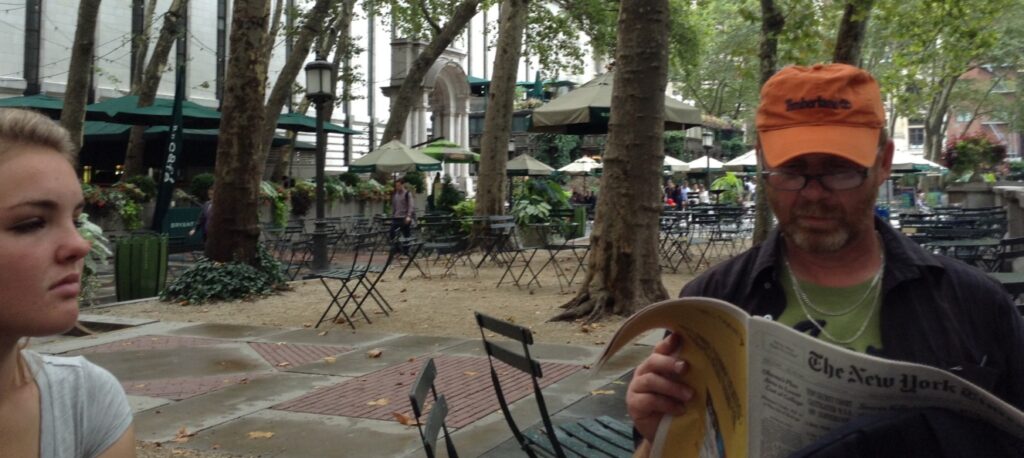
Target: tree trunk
[(772, 23), (624, 273), (150, 83), (142, 45), (72, 117), (490, 199), (850, 38), (235, 225), (402, 102), (935, 121), (275, 28), (312, 26)]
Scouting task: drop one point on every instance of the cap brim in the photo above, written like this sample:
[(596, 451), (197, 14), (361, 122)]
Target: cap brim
[(857, 144)]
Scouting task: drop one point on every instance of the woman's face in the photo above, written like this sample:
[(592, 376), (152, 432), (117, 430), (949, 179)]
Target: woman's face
[(41, 252)]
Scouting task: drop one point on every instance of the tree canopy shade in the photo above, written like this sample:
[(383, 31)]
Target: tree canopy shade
[(126, 110), (525, 165), (394, 157), (586, 110), (302, 123)]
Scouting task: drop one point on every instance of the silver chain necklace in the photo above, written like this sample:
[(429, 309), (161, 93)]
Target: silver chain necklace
[(800, 294), (805, 303)]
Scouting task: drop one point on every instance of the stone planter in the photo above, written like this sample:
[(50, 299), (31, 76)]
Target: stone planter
[(971, 195)]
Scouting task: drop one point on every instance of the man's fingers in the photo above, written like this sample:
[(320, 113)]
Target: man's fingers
[(659, 385), (669, 345), (647, 405), (667, 366)]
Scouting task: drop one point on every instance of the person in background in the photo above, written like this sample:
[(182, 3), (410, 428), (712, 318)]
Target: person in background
[(833, 270), (205, 216), (704, 196), (50, 406), (402, 210)]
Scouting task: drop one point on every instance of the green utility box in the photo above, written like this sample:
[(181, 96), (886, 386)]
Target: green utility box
[(140, 266)]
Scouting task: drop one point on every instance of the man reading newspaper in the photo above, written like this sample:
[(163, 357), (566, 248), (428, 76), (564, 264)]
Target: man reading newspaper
[(833, 270)]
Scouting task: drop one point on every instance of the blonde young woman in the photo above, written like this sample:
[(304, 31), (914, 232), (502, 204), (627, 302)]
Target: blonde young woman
[(49, 406)]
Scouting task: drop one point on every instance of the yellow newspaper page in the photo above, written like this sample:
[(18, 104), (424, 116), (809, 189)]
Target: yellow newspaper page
[(715, 345)]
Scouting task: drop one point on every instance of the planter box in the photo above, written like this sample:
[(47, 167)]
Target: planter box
[(971, 195)]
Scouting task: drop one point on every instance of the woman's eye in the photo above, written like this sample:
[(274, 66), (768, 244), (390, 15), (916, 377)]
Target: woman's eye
[(29, 226)]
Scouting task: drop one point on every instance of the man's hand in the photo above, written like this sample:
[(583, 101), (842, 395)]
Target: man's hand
[(408, 219), (656, 388), (192, 232)]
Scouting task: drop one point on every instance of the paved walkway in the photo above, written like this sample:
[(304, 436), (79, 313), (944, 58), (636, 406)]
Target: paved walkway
[(320, 394)]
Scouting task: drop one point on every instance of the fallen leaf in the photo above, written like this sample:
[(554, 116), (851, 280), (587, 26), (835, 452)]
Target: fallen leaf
[(284, 364), (244, 381), (585, 330), (215, 446), (260, 434), (405, 419), (330, 359), (379, 402), (586, 366), (183, 435), (601, 392), (599, 342), (178, 452), (322, 333), (307, 325), (375, 353), (411, 359), (402, 291), (142, 385), (470, 373)]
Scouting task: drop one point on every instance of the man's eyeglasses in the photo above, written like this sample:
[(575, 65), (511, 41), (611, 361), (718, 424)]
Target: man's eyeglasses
[(836, 181)]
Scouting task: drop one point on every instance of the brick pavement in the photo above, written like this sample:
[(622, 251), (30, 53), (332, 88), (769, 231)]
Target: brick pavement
[(285, 355), (153, 342), (464, 380), (185, 387)]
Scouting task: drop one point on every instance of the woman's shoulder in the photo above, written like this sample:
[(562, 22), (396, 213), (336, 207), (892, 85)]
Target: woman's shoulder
[(64, 369)]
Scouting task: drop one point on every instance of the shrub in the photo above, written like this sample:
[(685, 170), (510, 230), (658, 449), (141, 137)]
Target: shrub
[(303, 194), (215, 281), (448, 196), (146, 185), (120, 199), (973, 154), (731, 186), (336, 190), (350, 179), (97, 257), (278, 198), (200, 186), (415, 179)]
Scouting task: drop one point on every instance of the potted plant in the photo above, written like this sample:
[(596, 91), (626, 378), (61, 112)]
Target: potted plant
[(974, 157), (533, 201)]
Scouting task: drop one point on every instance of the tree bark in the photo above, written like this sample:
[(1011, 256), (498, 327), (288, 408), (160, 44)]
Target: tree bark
[(275, 28), (402, 101), (852, 29), (142, 45), (312, 27), (490, 199), (772, 23), (235, 229), (150, 83), (935, 121), (72, 117), (624, 272)]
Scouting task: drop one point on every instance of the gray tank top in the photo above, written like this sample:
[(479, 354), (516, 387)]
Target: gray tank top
[(83, 408)]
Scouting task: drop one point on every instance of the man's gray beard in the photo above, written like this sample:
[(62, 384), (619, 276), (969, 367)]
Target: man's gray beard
[(818, 242)]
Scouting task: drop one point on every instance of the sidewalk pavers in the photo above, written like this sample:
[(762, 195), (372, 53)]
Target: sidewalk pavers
[(321, 394)]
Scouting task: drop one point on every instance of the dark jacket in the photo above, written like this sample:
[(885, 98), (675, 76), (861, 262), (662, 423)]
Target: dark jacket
[(205, 216), (935, 310)]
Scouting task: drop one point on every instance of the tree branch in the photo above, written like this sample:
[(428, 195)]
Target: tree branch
[(427, 17)]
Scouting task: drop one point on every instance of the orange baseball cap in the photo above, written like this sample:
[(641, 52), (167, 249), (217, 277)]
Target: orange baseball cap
[(827, 108)]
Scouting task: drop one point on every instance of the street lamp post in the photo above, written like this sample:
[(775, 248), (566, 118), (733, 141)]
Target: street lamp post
[(320, 91), (708, 140)]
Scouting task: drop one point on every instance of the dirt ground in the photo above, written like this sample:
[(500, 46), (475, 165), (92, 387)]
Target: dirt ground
[(427, 306), (422, 305)]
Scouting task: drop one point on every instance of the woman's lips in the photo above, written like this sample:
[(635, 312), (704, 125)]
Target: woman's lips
[(68, 286)]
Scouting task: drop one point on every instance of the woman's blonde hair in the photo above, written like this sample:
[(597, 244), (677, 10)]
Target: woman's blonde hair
[(24, 127)]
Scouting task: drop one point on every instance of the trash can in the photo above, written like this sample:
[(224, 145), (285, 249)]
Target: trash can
[(140, 266)]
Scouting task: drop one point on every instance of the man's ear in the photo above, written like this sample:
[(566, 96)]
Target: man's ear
[(885, 165)]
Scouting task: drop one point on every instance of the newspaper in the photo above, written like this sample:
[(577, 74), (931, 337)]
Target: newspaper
[(763, 389)]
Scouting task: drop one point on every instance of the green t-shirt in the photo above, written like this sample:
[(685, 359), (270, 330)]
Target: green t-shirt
[(841, 327)]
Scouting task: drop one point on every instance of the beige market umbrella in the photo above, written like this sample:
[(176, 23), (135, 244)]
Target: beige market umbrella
[(586, 109), (525, 165), (394, 157)]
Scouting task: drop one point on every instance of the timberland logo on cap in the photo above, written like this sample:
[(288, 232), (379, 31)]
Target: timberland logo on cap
[(820, 102)]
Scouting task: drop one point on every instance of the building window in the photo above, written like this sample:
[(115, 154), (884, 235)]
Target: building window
[(916, 136), (963, 116)]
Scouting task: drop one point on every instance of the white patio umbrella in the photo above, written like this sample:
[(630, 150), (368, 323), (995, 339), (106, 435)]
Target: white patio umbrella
[(675, 165), (904, 161), (746, 162), (581, 166), (703, 163)]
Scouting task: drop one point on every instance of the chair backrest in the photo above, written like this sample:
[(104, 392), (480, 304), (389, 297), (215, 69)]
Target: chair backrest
[(435, 422), (520, 361), (1010, 249)]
